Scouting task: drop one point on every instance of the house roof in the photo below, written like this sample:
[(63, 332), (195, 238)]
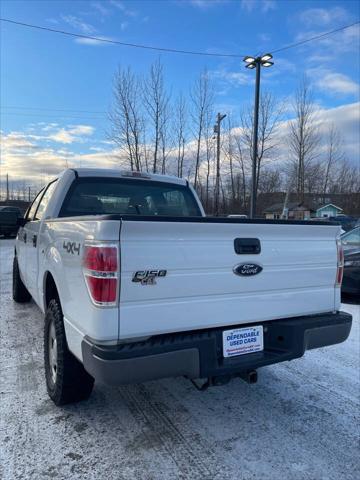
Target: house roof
[(329, 205), (291, 206)]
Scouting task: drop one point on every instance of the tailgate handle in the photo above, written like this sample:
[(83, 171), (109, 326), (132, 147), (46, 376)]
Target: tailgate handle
[(246, 246)]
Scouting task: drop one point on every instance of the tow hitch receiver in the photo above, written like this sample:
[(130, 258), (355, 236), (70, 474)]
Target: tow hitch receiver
[(203, 384)]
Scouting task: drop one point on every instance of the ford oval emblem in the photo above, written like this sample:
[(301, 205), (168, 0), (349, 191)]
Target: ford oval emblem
[(247, 269)]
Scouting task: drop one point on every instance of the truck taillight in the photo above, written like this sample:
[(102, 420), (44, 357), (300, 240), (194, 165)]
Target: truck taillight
[(101, 273), (340, 263)]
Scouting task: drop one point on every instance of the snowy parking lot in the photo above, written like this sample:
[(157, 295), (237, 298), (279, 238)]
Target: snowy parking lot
[(300, 421)]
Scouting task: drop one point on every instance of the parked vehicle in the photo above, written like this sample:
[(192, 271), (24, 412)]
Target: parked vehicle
[(137, 284), (351, 245), (8, 220), (347, 222)]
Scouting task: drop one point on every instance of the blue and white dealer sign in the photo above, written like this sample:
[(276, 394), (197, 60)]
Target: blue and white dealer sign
[(242, 341)]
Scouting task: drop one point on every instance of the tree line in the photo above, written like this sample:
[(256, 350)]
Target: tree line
[(156, 131), (160, 133)]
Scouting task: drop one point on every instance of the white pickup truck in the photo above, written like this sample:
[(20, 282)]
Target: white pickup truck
[(137, 284)]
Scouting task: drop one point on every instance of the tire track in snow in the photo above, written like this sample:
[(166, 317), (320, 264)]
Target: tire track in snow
[(192, 455)]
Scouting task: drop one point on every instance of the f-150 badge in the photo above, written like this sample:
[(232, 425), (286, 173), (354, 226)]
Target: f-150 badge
[(148, 277)]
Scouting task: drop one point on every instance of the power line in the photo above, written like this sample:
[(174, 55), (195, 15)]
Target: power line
[(18, 114), (13, 107), (173, 50), (316, 37), (116, 42)]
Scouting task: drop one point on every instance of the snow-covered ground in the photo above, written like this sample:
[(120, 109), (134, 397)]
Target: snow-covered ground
[(300, 421)]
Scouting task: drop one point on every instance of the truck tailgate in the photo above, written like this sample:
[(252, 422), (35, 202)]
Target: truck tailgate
[(201, 290)]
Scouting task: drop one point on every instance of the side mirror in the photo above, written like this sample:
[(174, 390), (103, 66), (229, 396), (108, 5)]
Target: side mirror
[(21, 221)]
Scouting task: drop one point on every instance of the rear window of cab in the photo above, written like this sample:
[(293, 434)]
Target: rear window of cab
[(102, 196)]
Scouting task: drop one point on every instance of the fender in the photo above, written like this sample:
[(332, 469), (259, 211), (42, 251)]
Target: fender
[(51, 265)]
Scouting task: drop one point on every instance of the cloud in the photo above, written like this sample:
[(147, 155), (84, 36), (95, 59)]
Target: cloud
[(264, 37), (16, 142), (323, 17), (31, 157), (100, 7), (248, 5), (93, 41), (345, 118), (24, 141), (232, 78), (123, 8), (48, 127), (263, 5), (268, 5), (78, 24), (50, 162), (206, 4), (344, 41), (82, 130), (332, 82), (71, 135)]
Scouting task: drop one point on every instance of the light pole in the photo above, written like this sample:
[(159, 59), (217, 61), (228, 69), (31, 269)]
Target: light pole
[(257, 63), (219, 119)]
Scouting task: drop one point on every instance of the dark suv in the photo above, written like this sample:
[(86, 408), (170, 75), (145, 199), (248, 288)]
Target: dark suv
[(8, 220)]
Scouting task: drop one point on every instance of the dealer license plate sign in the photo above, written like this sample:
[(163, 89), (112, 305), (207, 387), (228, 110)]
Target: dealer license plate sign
[(242, 341)]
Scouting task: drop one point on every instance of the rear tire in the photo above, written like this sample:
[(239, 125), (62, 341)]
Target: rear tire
[(19, 291), (66, 379)]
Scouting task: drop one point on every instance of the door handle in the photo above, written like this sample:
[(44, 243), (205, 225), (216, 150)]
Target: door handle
[(246, 246), (34, 240), (24, 237)]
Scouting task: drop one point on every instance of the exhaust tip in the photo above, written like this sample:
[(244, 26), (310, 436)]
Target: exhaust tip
[(253, 376), (250, 376)]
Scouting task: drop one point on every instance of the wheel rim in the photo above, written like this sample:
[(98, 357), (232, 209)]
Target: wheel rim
[(52, 352)]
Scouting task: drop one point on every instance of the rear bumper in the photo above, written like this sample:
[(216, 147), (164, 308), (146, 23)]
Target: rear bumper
[(198, 354)]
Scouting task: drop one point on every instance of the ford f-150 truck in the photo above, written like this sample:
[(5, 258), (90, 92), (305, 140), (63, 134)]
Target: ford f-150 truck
[(136, 284)]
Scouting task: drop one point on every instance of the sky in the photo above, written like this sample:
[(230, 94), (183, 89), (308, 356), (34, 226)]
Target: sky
[(56, 90)]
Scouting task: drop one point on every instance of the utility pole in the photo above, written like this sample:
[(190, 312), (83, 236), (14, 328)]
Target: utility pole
[(217, 130), (257, 63), (7, 187), (29, 194), (255, 142)]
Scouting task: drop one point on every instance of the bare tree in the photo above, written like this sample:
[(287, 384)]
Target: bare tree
[(229, 151), (345, 178), (334, 154), (209, 153), (126, 118), (270, 112), (180, 134), (156, 100), (303, 136), (167, 138), (202, 98), (270, 181), (313, 176), (244, 168)]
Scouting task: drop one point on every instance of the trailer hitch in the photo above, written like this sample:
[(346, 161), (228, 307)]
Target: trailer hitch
[(203, 384)]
